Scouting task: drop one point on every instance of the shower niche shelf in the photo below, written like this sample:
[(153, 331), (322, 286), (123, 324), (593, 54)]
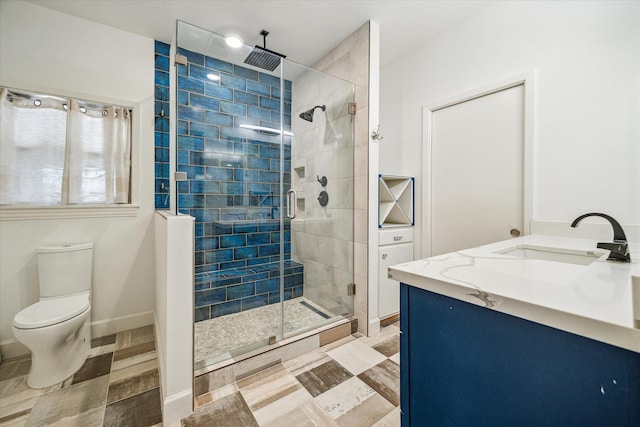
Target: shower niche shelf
[(300, 171), (395, 201)]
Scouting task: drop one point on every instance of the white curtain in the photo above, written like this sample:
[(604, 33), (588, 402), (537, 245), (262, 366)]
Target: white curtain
[(63, 151), (97, 160), (32, 144)]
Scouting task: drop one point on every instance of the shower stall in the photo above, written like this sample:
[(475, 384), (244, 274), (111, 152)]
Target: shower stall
[(265, 147)]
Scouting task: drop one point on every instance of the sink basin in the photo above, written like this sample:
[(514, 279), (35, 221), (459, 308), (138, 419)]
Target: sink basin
[(569, 256)]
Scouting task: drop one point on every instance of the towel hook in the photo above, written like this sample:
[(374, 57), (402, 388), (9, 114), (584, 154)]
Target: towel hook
[(375, 135)]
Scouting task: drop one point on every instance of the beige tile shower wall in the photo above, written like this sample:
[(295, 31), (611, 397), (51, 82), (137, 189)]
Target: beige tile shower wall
[(321, 236), (350, 61)]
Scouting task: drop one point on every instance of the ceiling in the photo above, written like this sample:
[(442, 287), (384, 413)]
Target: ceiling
[(304, 30)]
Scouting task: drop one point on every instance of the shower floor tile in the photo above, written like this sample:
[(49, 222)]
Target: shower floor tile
[(226, 336)]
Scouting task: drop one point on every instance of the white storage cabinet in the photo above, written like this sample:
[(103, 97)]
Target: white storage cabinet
[(395, 246)]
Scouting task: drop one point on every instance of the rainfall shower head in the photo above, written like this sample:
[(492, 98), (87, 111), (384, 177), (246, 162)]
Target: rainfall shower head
[(308, 115), (262, 57)]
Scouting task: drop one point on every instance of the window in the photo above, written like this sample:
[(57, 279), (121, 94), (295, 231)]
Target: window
[(58, 151)]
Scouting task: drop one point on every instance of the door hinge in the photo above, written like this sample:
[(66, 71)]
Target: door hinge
[(180, 176), (352, 108), (179, 59), (351, 289)]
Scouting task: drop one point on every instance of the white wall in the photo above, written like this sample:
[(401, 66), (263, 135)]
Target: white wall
[(586, 58), (174, 312), (48, 51)]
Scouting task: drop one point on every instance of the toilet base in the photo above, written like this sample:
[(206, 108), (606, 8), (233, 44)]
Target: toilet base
[(57, 351), (54, 367)]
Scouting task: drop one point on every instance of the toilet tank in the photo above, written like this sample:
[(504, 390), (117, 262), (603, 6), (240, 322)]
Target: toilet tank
[(65, 269)]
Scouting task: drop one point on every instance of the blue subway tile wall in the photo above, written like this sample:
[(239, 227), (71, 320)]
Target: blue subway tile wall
[(162, 125), (233, 184), (242, 288)]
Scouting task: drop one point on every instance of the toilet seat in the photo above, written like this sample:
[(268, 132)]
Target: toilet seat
[(51, 311)]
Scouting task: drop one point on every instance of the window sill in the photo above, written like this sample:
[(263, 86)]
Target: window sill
[(19, 213)]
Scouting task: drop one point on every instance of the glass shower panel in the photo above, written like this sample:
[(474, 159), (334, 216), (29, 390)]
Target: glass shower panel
[(322, 179), (267, 156), (230, 146)]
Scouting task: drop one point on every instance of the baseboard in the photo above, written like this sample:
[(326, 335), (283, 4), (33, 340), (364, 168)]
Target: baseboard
[(106, 327), (386, 321), (161, 360), (177, 407), (374, 326), (12, 348)]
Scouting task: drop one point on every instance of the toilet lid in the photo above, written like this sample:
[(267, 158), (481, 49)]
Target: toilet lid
[(51, 311)]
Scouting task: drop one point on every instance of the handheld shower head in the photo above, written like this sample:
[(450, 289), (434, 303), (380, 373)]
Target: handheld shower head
[(308, 115)]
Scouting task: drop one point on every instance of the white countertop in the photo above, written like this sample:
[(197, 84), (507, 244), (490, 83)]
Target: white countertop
[(593, 300)]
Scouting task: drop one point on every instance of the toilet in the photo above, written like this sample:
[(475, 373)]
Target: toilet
[(56, 328)]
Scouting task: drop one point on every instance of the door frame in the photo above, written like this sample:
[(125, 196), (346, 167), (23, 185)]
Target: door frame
[(527, 80)]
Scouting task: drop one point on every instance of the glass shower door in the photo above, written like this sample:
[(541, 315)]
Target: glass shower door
[(321, 179)]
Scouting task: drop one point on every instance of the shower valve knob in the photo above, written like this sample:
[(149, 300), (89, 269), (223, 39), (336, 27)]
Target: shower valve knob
[(322, 181), (323, 199)]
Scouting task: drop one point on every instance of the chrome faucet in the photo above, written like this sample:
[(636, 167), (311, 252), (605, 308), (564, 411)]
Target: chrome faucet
[(619, 248)]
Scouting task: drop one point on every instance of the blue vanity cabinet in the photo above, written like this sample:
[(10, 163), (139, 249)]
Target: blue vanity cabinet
[(466, 365)]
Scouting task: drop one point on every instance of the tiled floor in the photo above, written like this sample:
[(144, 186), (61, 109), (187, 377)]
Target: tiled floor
[(117, 386), (350, 382), (223, 337)]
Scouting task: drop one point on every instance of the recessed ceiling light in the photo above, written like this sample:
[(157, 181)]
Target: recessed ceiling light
[(214, 77), (234, 41)]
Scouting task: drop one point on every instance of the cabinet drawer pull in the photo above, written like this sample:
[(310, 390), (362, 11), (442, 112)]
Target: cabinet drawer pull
[(397, 238)]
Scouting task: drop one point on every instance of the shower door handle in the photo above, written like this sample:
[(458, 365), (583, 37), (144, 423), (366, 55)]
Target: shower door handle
[(291, 203)]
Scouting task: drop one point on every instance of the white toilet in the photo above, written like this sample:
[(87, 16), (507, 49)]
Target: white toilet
[(56, 329)]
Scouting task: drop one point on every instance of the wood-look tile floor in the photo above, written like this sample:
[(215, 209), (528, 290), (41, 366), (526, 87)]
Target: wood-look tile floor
[(351, 382), (117, 386)]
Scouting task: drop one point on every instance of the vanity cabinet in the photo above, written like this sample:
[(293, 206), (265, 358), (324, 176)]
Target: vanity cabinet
[(462, 364)]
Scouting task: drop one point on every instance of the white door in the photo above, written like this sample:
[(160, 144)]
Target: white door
[(476, 171)]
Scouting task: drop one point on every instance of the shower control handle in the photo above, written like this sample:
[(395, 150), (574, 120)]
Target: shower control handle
[(323, 198), (322, 181), (291, 203)]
